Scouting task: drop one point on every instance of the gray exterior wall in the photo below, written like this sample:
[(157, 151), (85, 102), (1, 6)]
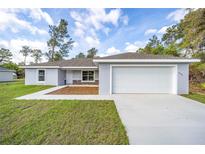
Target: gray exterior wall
[(6, 76), (61, 77), (51, 77), (182, 79), (104, 79)]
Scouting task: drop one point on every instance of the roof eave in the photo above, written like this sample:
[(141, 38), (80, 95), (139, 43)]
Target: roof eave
[(39, 67), (65, 67), (146, 60)]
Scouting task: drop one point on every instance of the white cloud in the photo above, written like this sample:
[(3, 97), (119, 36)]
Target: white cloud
[(4, 44), (150, 31), (92, 42), (9, 20), (125, 20), (97, 17), (75, 44), (38, 14), (133, 47), (163, 29), (16, 44), (177, 15), (89, 22), (110, 51)]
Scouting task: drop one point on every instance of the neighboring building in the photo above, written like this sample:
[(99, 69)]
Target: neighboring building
[(122, 73), (6, 75)]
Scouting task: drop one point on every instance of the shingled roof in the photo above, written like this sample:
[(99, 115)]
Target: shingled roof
[(134, 55), (86, 62)]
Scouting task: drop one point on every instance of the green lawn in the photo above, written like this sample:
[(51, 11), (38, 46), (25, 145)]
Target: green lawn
[(56, 122), (197, 97)]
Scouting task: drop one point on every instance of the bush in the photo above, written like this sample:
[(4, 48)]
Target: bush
[(197, 72)]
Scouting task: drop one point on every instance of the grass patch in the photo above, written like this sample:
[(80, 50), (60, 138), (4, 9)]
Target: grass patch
[(203, 85), (197, 97), (56, 122)]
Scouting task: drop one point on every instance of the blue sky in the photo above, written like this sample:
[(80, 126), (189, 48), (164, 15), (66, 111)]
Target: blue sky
[(111, 31)]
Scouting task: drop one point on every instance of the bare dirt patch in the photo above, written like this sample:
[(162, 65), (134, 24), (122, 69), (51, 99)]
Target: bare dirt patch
[(76, 91)]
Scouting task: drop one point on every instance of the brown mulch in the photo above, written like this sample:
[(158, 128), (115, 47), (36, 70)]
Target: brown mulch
[(76, 91), (196, 88)]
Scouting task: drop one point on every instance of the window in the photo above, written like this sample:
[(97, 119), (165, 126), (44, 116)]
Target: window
[(87, 75), (41, 75)]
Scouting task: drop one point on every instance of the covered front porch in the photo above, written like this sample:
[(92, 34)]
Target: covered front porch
[(79, 76), (79, 81)]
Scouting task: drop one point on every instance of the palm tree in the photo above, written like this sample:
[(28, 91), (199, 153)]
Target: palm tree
[(37, 55), (25, 51)]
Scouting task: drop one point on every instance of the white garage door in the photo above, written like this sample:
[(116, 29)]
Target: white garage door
[(146, 79)]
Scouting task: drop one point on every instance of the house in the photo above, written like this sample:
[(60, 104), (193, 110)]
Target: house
[(6, 75), (122, 73)]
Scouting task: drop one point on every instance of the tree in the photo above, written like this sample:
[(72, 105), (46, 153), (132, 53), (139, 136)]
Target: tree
[(25, 51), (57, 57), (200, 55), (172, 35), (37, 55), (158, 50), (154, 41), (5, 55), (193, 27), (172, 50), (80, 55), (154, 46), (60, 42), (92, 53), (140, 50)]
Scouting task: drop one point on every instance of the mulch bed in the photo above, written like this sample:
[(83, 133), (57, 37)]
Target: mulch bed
[(76, 91)]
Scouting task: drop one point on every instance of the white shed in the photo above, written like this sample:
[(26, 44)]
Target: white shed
[(6, 75)]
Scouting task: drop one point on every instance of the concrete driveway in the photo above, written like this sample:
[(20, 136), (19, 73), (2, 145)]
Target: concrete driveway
[(161, 119)]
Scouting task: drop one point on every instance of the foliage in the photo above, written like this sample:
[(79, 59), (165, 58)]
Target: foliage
[(200, 55), (197, 72), (193, 27), (172, 49), (56, 122), (80, 55), (57, 57), (13, 66), (60, 42), (25, 51), (172, 35), (37, 55), (186, 38), (92, 53), (154, 46), (5, 55)]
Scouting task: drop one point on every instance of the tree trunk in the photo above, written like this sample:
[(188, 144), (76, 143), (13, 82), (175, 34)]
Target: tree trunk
[(25, 60)]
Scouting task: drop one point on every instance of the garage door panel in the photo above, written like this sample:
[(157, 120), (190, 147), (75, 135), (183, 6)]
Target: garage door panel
[(142, 79)]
